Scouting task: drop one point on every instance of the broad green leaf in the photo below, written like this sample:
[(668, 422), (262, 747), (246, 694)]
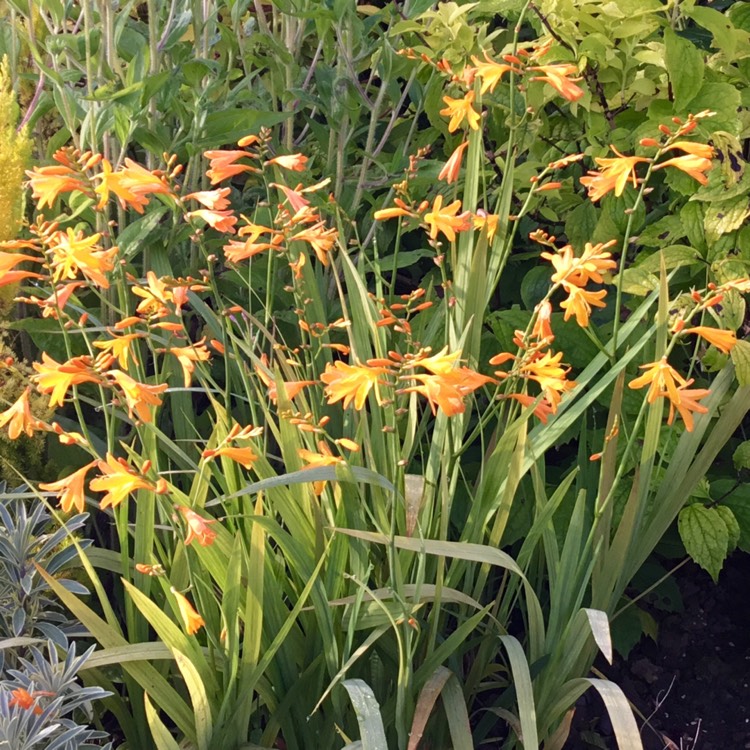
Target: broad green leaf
[(638, 281), (741, 456), (738, 501), (733, 526), (685, 68), (674, 256), (722, 218), (725, 36), (229, 125), (741, 361), (705, 536)]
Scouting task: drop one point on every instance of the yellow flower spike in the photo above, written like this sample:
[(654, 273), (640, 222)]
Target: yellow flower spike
[(190, 617)]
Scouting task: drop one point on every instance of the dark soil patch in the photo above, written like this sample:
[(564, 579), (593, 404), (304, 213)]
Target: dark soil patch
[(693, 685)]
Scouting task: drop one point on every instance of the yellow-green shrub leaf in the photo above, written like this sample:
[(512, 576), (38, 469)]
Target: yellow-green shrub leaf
[(705, 536), (741, 360), (685, 68)]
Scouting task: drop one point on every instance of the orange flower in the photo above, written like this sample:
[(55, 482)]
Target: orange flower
[(214, 200), (314, 460), (70, 490), (446, 220), (460, 109), (187, 356), (197, 527), (557, 77), (193, 621), (8, 261), (695, 166), (47, 183), (663, 381), (296, 200), (579, 271), (138, 396), (447, 390), (291, 387), (56, 378), (72, 252), (723, 340), (702, 150), (551, 376), (244, 456), (223, 165), (400, 209), (490, 72), (542, 329), (321, 240), (614, 176), (120, 347), (438, 364), (580, 302), (687, 404), (482, 219), (221, 221), (131, 184), (451, 170), (351, 383), (19, 418), (149, 570), (542, 410), (235, 252), (295, 162), (118, 480), (25, 700), (157, 297)]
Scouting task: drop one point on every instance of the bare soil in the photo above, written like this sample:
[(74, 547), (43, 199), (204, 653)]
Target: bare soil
[(693, 684)]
